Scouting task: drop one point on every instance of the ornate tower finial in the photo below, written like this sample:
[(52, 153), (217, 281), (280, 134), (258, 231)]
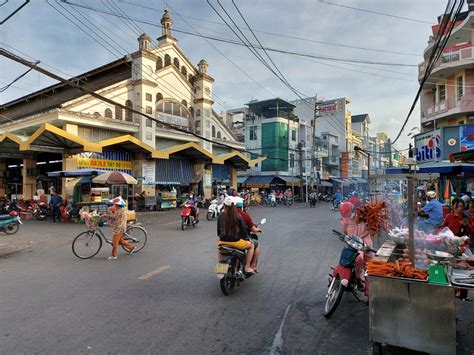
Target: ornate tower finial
[(166, 22)]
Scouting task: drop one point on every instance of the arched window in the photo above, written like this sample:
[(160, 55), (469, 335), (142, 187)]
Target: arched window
[(118, 113), (219, 135), (184, 103), (191, 110), (190, 78), (173, 107), (97, 114), (128, 113), (167, 60), (176, 62), (108, 113), (159, 97), (213, 131), (184, 71), (159, 63)]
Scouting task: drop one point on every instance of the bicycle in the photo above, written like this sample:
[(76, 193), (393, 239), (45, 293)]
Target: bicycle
[(87, 244)]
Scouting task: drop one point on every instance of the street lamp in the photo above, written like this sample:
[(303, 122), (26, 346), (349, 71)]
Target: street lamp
[(363, 151)]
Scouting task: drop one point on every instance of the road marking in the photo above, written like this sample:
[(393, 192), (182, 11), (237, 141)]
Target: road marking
[(277, 345), (154, 272)]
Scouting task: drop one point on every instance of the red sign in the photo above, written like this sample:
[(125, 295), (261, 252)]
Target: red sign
[(328, 106)]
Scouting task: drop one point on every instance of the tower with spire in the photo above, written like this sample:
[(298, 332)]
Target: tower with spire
[(166, 23)]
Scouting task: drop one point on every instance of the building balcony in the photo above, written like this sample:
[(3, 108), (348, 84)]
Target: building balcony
[(449, 63), (446, 108)]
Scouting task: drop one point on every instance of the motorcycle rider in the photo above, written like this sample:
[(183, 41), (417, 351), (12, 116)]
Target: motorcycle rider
[(192, 201), (351, 227), (232, 231), (337, 197), (288, 196), (252, 228)]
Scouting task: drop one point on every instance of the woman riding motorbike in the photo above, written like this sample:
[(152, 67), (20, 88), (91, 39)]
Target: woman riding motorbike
[(232, 231), (252, 228)]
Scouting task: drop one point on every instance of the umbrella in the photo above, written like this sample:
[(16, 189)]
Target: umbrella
[(115, 178), (447, 190)]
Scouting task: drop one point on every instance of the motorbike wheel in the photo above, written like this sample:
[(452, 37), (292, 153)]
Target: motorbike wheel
[(11, 228), (228, 283), (184, 222), (41, 216), (334, 296), (209, 216)]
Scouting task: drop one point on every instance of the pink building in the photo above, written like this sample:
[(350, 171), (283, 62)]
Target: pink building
[(447, 98)]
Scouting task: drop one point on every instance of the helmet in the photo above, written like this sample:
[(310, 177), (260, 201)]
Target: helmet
[(466, 200), (355, 193), (239, 202), (346, 209), (338, 190), (229, 201), (431, 194)]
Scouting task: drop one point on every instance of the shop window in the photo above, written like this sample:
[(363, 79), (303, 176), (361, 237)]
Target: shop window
[(184, 71), (108, 113), (159, 63), (118, 113), (148, 110), (176, 62), (167, 60), (148, 97), (159, 97), (129, 113)]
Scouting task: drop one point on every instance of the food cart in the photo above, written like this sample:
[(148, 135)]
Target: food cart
[(413, 276)]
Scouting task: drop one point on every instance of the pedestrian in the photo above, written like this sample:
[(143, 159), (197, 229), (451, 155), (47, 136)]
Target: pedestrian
[(118, 222), (55, 203)]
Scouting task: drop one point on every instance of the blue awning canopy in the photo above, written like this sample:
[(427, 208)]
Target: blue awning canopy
[(444, 167), (342, 182), (174, 171)]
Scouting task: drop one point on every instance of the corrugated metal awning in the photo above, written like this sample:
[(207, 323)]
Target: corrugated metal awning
[(174, 171)]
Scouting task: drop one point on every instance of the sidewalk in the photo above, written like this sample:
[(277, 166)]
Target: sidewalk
[(39, 233)]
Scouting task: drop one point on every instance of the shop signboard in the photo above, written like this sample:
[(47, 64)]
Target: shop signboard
[(428, 146), (328, 106), (173, 119), (466, 136), (107, 160), (344, 165)]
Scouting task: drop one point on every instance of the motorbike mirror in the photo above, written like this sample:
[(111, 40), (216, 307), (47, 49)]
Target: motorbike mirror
[(263, 221)]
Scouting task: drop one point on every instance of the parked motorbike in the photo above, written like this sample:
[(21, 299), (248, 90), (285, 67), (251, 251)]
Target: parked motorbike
[(231, 267), (187, 218), (343, 277), (10, 223), (214, 210), (41, 211), (313, 198)]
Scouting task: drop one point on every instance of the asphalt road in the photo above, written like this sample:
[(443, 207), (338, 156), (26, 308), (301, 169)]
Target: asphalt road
[(166, 299)]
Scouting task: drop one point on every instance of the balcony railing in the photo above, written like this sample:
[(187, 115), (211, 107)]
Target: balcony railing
[(447, 58), (449, 106)]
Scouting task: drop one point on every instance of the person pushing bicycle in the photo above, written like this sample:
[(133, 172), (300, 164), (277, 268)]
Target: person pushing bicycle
[(118, 222)]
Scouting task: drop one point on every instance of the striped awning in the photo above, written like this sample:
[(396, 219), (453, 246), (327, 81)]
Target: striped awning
[(174, 171)]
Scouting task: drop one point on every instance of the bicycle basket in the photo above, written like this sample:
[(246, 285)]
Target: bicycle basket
[(348, 255), (94, 222)]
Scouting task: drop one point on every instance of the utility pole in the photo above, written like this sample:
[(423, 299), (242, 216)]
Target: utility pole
[(300, 152), (389, 144)]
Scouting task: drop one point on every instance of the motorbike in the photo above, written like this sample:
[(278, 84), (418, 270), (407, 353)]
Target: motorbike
[(343, 277), (273, 200), (187, 218), (313, 198), (336, 204), (214, 210), (10, 223), (230, 268), (41, 211), (287, 201)]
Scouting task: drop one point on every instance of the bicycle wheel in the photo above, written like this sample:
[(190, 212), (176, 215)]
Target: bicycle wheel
[(86, 245), (137, 236)]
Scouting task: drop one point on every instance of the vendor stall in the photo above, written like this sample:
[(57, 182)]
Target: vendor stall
[(414, 274)]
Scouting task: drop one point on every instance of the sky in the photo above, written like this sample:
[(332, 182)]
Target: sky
[(384, 92)]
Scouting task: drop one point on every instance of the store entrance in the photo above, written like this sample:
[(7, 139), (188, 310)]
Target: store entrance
[(14, 179), (46, 163)]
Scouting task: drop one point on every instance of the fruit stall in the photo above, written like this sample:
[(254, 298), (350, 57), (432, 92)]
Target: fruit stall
[(416, 272)]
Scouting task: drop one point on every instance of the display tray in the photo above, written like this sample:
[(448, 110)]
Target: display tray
[(399, 278), (461, 274)]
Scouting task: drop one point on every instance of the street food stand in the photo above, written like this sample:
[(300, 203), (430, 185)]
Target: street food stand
[(413, 276)]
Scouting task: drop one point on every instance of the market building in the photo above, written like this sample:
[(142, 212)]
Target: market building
[(59, 128)]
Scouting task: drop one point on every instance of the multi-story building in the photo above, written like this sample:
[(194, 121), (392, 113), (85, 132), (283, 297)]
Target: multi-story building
[(61, 128), (447, 97), (235, 119), (274, 131), (359, 137)]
